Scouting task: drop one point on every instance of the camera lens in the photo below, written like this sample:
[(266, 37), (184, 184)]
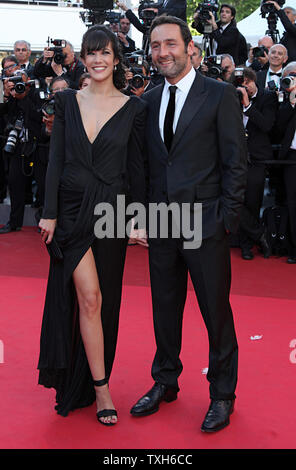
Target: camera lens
[(11, 141)]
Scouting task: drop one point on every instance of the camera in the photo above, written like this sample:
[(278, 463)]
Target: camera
[(14, 132), (204, 8), (97, 12), (288, 83), (113, 17), (259, 51), (148, 15), (238, 77), (58, 45), (134, 61), (213, 63), (48, 107), (19, 84), (267, 8)]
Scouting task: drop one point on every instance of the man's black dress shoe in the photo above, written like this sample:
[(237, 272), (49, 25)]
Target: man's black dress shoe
[(8, 228), (149, 403), (217, 416), (291, 260), (247, 254)]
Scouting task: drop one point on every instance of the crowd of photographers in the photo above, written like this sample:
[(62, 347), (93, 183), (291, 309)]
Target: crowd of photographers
[(265, 79)]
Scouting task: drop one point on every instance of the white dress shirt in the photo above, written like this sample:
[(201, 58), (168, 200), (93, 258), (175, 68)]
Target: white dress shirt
[(270, 77), (183, 87)]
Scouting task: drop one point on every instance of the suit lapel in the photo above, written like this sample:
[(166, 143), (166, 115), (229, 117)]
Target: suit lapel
[(195, 99)]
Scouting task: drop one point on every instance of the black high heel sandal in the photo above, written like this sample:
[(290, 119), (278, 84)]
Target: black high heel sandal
[(104, 413)]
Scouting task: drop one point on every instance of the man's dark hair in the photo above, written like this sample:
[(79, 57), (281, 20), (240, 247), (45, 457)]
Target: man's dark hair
[(226, 5), (58, 79), (166, 19), (11, 58), (250, 74)]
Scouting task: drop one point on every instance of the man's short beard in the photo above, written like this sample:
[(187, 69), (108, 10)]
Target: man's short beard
[(177, 69)]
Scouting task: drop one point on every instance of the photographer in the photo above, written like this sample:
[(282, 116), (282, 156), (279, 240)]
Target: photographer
[(225, 38), (285, 127), (259, 114), (277, 57), (22, 110), (219, 67), (58, 84), (22, 52), (196, 58), (9, 65), (287, 16), (138, 78), (128, 45), (258, 56), (60, 62)]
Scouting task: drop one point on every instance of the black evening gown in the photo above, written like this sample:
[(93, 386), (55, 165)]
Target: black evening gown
[(80, 175)]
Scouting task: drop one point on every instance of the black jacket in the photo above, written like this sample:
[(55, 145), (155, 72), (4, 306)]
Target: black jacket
[(289, 37), (262, 117), (228, 42), (30, 108), (72, 73), (175, 8), (208, 157), (131, 45), (285, 127)]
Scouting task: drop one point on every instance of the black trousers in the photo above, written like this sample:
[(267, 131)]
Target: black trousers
[(210, 271), (20, 173), (290, 186), (251, 229)]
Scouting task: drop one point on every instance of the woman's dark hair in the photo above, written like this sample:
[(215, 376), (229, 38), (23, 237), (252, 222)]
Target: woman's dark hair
[(96, 38), (166, 19)]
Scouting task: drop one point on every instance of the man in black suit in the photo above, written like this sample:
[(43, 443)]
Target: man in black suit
[(71, 69), (22, 52), (225, 37), (196, 154), (287, 16), (259, 115), (285, 126), (277, 57), (128, 44)]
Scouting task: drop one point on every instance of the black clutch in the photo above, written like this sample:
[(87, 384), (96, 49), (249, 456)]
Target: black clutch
[(54, 250)]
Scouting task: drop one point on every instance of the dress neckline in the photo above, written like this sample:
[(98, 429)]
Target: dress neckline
[(104, 125)]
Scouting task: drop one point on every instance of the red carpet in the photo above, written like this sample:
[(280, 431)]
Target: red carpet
[(264, 303)]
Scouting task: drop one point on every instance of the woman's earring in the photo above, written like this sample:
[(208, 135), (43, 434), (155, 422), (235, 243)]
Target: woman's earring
[(115, 67)]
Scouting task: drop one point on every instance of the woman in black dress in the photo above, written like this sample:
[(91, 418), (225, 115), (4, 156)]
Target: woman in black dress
[(95, 155)]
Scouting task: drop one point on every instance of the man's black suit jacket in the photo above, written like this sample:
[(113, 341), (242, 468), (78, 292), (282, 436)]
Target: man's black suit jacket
[(228, 42), (261, 119), (45, 70), (175, 8), (289, 37), (285, 128), (208, 158), (131, 45)]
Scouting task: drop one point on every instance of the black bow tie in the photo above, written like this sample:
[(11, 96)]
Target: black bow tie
[(274, 73)]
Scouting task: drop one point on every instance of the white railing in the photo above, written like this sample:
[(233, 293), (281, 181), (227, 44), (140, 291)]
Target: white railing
[(62, 3)]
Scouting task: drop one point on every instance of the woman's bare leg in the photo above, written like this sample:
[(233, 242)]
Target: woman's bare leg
[(90, 301)]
